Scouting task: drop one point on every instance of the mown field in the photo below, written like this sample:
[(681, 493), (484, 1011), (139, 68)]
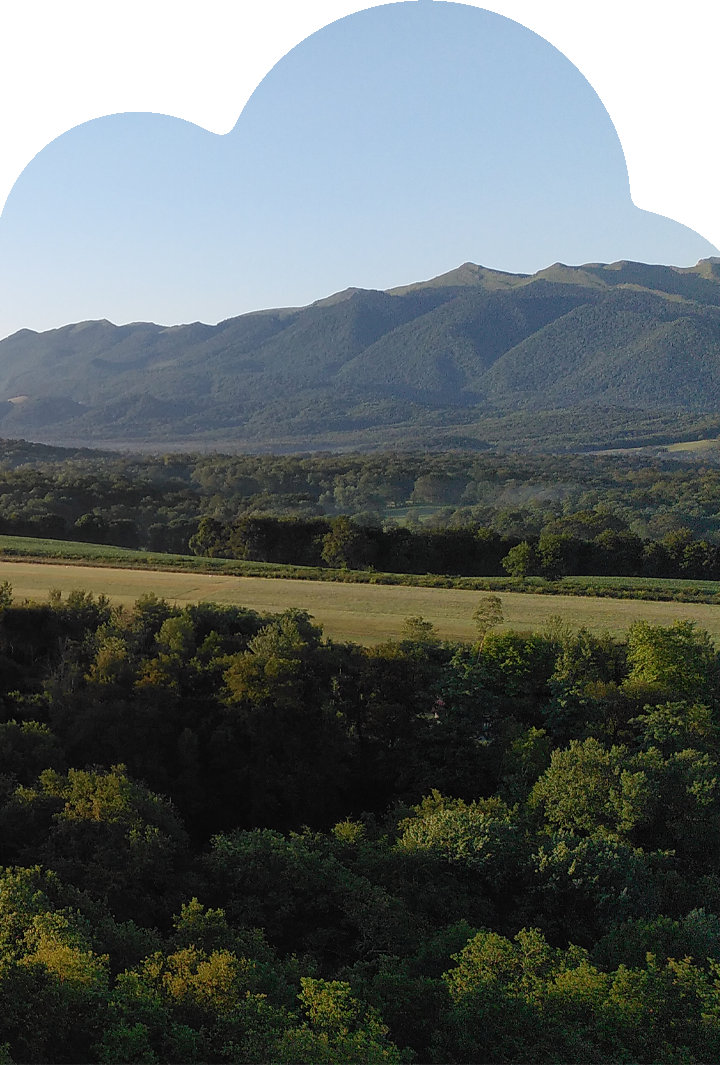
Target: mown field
[(84, 554), (366, 613)]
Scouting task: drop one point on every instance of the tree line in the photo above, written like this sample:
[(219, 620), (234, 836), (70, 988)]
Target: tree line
[(469, 551), (226, 838), (157, 502)]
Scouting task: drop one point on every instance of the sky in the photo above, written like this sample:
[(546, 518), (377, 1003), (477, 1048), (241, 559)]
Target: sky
[(389, 146)]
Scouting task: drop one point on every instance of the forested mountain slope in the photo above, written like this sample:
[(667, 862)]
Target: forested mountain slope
[(434, 356)]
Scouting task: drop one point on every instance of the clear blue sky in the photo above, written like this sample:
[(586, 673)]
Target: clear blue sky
[(388, 147)]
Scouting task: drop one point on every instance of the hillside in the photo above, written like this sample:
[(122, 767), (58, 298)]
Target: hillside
[(473, 357)]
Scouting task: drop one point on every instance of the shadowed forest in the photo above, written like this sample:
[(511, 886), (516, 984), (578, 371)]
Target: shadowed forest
[(226, 838)]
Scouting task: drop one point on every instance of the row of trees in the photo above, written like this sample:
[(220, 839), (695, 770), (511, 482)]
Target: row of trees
[(466, 551), (225, 838), (615, 553)]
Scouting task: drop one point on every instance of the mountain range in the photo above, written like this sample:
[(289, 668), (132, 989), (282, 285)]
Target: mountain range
[(625, 352)]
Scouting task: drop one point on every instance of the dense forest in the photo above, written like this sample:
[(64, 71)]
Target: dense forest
[(453, 512), (225, 838), (588, 543)]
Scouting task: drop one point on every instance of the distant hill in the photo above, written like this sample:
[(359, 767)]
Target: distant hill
[(471, 357)]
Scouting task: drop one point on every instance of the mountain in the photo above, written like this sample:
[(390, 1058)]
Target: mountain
[(446, 359)]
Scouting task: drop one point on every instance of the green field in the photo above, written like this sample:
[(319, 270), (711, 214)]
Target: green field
[(695, 445), (366, 613), (82, 554), (35, 547)]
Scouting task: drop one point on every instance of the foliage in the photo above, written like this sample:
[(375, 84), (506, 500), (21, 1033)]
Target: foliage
[(678, 659), (488, 615), (521, 1000), (227, 838), (417, 629)]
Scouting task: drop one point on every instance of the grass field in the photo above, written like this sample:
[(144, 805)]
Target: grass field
[(37, 547), (366, 613), (82, 554), (695, 445)]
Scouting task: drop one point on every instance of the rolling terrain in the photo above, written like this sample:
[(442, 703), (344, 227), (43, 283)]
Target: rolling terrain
[(605, 355)]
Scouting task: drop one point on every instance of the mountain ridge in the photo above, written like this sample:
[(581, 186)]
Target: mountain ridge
[(434, 355)]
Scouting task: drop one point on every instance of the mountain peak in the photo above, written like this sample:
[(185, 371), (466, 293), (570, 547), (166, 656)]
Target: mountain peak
[(464, 276), (338, 297)]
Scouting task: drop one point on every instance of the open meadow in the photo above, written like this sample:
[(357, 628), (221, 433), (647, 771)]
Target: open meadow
[(365, 613)]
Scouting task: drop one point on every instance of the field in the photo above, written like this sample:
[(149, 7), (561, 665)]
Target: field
[(84, 554), (365, 613), (695, 445)]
